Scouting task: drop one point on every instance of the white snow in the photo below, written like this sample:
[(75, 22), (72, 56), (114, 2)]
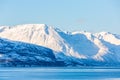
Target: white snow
[(109, 37), (80, 44)]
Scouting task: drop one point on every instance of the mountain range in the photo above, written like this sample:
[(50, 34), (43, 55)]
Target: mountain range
[(36, 44)]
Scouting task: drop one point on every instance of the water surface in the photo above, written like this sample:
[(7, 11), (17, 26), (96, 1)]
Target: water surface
[(59, 73)]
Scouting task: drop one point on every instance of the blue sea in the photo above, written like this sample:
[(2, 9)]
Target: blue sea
[(37, 73)]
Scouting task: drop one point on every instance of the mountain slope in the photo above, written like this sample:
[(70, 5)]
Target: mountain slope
[(14, 53), (40, 34), (102, 46)]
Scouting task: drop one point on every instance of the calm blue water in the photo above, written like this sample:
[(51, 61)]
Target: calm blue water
[(59, 74)]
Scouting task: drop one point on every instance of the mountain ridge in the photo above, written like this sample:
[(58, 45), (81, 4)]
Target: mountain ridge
[(103, 46)]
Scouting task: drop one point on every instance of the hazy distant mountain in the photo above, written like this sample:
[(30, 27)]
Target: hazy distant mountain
[(81, 45)]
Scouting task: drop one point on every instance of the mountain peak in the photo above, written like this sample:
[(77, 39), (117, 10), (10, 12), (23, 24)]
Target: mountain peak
[(32, 26), (80, 44)]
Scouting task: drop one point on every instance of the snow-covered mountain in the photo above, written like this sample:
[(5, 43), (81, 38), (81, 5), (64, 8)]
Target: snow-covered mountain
[(13, 53), (103, 46), (16, 53)]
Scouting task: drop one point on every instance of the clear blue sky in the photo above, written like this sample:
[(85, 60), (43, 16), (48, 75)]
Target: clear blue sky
[(69, 15)]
